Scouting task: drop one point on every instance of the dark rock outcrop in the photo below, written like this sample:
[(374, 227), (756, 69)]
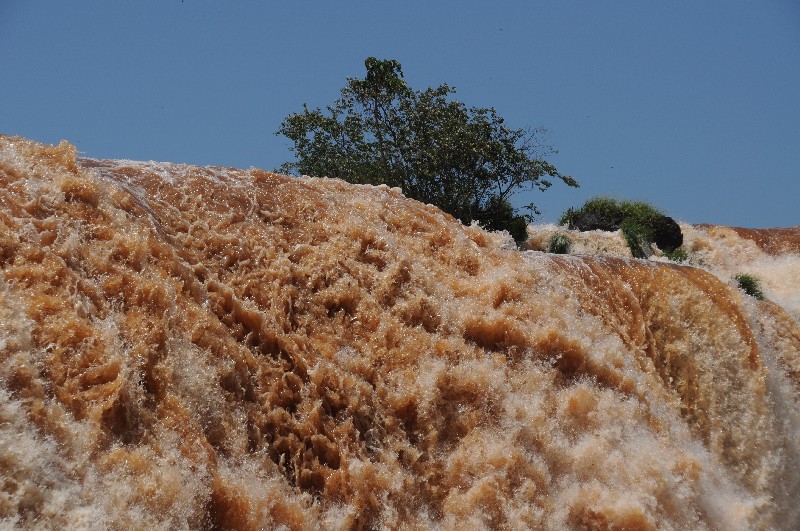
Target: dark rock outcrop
[(664, 231), (586, 221), (667, 234)]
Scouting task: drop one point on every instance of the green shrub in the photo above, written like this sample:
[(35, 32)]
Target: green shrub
[(614, 211), (638, 236), (641, 222), (604, 207), (643, 213), (750, 285), (559, 244), (465, 160), (678, 255), (499, 215)]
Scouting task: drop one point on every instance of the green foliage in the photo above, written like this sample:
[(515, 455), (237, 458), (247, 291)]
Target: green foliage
[(637, 219), (638, 236), (559, 244), (499, 215), (615, 211), (750, 285), (678, 255), (464, 160)]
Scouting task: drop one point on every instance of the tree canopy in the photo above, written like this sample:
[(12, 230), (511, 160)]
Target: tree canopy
[(464, 160)]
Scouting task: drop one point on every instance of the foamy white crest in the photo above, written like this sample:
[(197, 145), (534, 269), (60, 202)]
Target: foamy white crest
[(186, 347)]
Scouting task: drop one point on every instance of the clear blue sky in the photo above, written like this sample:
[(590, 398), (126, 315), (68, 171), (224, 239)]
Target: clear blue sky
[(692, 105)]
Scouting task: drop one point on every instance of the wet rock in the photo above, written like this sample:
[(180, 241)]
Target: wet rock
[(586, 221), (667, 234)]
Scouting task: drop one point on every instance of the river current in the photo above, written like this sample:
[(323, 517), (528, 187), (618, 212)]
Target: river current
[(201, 347)]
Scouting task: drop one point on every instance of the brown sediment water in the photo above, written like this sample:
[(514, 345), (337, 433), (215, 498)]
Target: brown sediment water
[(186, 347), (774, 241), (770, 255)]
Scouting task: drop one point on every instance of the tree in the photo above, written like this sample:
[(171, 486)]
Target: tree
[(463, 160)]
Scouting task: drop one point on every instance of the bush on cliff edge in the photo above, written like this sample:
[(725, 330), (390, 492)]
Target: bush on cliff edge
[(642, 224), (464, 160)]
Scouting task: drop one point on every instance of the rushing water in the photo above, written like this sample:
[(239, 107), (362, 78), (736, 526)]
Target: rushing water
[(186, 347)]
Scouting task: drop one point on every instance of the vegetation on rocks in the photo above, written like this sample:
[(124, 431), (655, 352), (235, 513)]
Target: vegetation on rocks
[(679, 255), (559, 244), (466, 161), (750, 284), (641, 223)]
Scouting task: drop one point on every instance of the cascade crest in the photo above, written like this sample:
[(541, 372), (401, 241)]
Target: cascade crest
[(192, 347)]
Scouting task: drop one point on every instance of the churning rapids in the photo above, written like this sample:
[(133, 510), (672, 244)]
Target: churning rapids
[(186, 347)]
